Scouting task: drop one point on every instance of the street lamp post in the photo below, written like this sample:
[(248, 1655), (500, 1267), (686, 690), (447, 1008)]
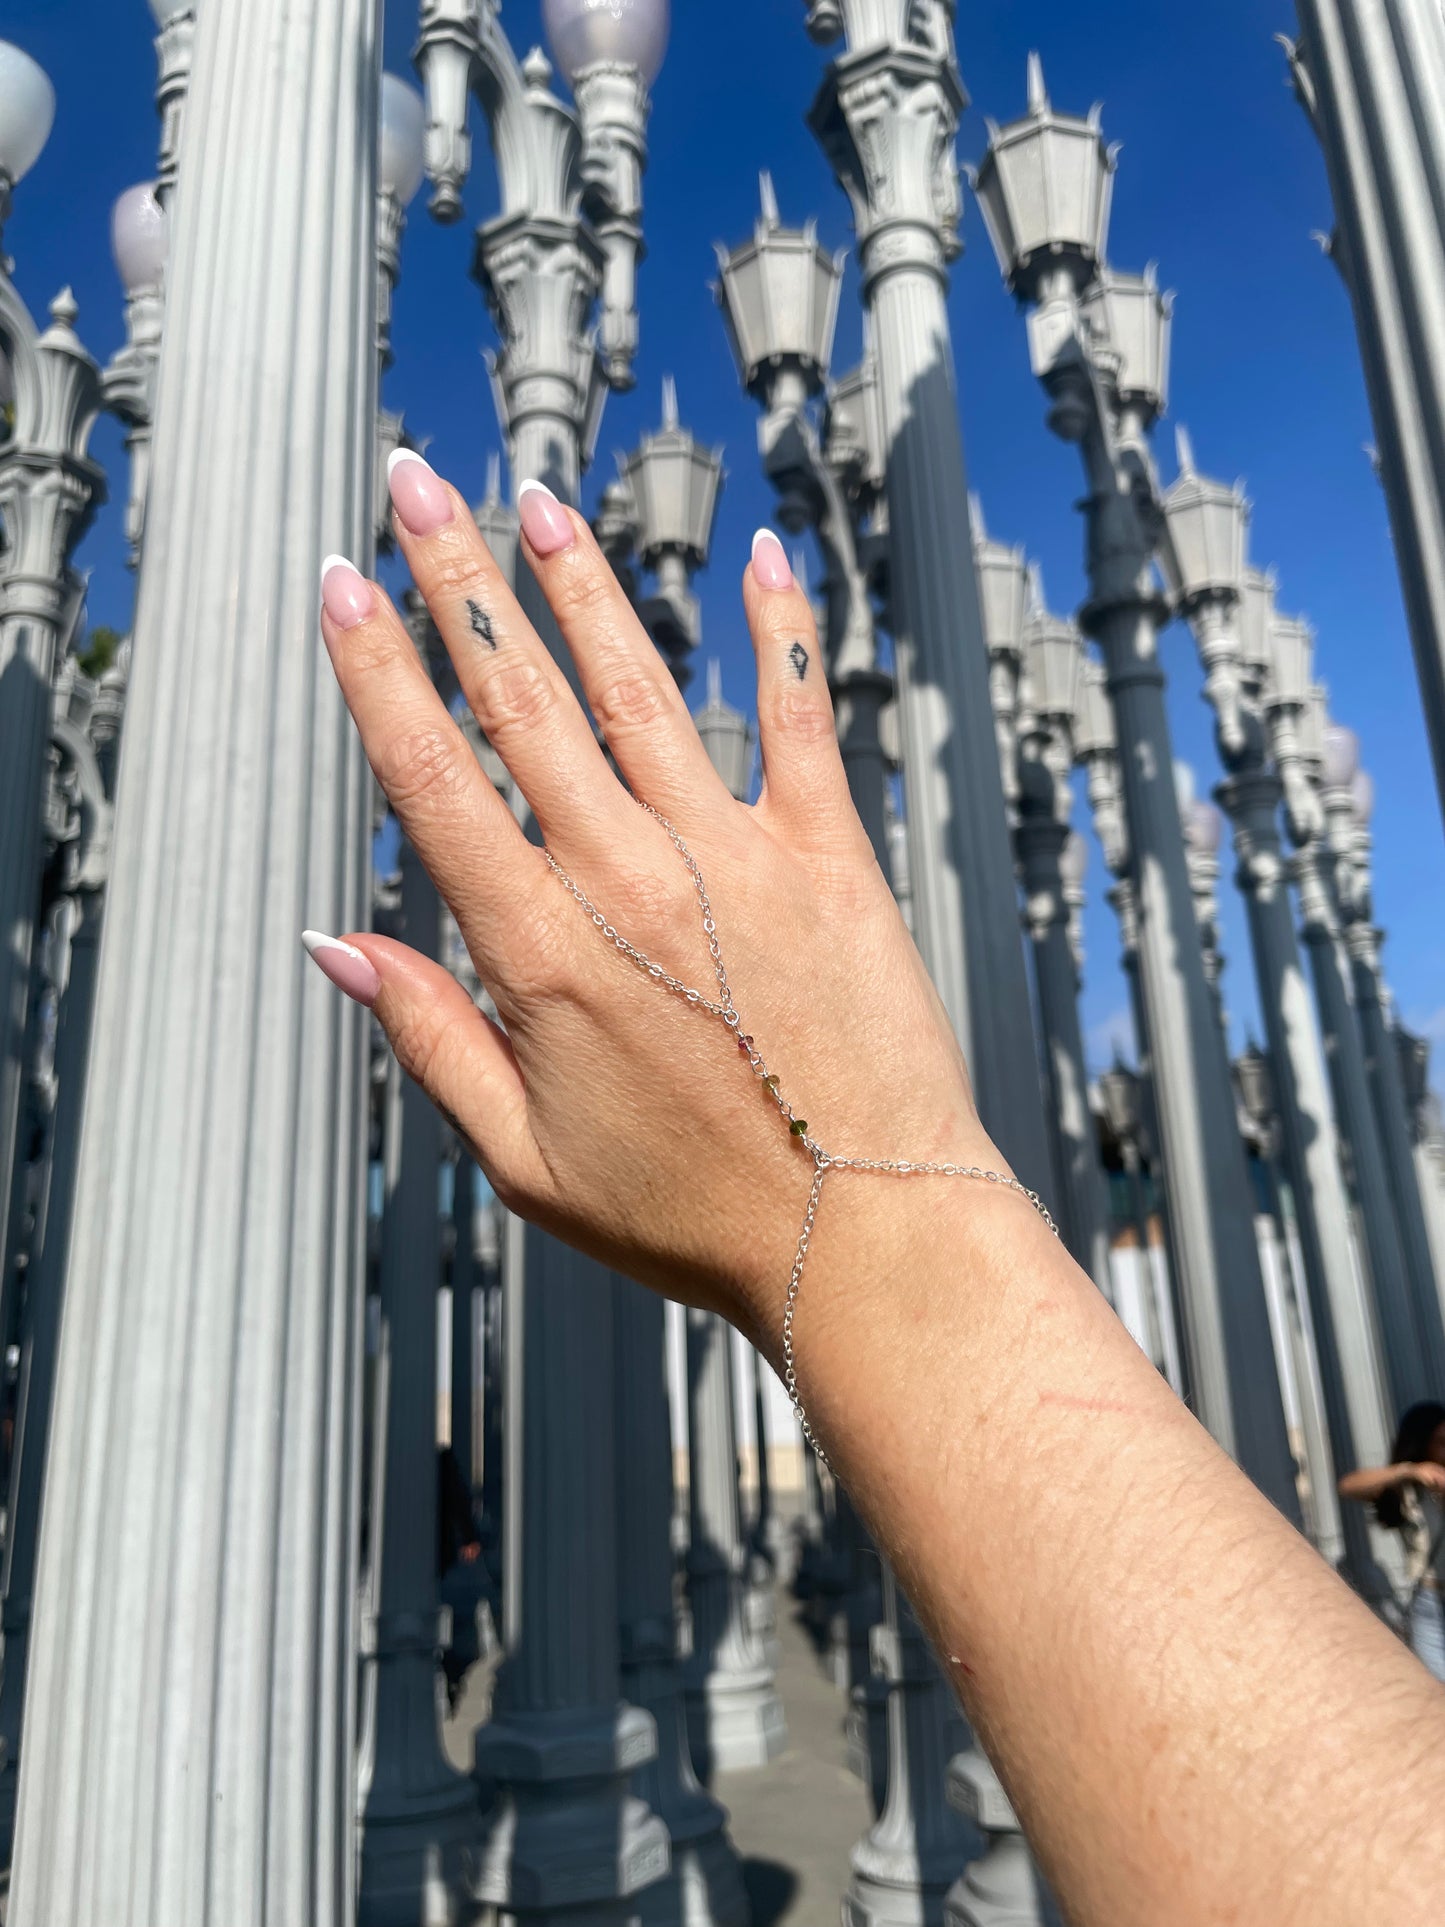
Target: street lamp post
[(1099, 345), (1294, 713), (140, 242), (1348, 797), (562, 1744), (1426, 1136), (1230, 610), (200, 1502), (49, 490), (1370, 77), (887, 116), (175, 55)]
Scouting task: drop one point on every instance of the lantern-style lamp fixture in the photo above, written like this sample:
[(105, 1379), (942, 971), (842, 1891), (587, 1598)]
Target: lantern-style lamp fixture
[(616, 33), (1119, 1088), (1291, 658), (1256, 1085), (1133, 318), (675, 483), (1094, 733), (139, 238), (1003, 588), (27, 114), (779, 296), (1256, 620), (402, 155), (1053, 668), (1044, 187), (1341, 760), (1204, 560), (725, 736)]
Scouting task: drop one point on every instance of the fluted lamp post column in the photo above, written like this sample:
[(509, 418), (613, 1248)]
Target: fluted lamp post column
[(175, 55), (1294, 714), (887, 118), (1099, 345), (49, 490), (1230, 610), (566, 1831), (190, 1747), (1348, 797)]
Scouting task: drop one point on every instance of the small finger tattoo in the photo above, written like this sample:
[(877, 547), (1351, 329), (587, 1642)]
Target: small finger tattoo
[(481, 624), (798, 657)]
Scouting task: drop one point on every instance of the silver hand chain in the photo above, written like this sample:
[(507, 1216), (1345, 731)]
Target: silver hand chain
[(823, 1161)]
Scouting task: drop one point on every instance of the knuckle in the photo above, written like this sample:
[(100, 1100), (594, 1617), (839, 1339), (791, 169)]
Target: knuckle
[(578, 587), (512, 698), (802, 716), (452, 573), (541, 956), (417, 767), (630, 701)]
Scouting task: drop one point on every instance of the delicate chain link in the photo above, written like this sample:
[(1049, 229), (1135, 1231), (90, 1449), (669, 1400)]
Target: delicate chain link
[(823, 1161)]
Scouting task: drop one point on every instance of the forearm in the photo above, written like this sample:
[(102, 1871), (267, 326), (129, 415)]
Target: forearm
[(1195, 1719), (1369, 1482)]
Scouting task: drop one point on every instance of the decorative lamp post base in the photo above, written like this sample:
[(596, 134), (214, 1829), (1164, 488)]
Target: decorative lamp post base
[(1001, 1888), (735, 1719)]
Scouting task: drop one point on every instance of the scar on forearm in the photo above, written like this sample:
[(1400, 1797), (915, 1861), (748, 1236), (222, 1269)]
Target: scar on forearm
[(1074, 1402), (481, 624), (798, 657)]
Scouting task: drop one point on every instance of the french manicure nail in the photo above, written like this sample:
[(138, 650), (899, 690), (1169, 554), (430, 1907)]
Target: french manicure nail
[(418, 493), (344, 964), (346, 595), (545, 522), (770, 565)]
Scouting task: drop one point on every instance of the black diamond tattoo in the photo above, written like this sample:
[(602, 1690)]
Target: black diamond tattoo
[(798, 657), (481, 624)]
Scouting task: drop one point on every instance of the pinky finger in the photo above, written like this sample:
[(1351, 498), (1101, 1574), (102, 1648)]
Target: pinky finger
[(459, 1057)]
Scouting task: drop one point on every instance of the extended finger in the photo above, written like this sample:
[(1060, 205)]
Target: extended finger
[(460, 1058), (516, 691), (803, 773), (474, 851)]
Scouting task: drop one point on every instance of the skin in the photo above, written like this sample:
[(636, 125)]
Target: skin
[(1371, 1481), (1196, 1721)]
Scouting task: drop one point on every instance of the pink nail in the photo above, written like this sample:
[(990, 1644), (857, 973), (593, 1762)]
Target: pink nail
[(418, 493), (344, 964), (545, 523), (346, 595), (770, 565)]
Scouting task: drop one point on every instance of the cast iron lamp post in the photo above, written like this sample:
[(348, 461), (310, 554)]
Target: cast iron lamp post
[(1045, 189), (1230, 610), (49, 491), (1347, 827), (887, 117), (562, 1744), (175, 54), (140, 242)]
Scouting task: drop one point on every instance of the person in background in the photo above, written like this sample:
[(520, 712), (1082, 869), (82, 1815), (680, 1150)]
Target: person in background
[(459, 1547), (1408, 1495)]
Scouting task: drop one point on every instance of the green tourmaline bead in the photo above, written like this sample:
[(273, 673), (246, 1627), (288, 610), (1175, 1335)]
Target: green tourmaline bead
[(770, 1084), (799, 1127)]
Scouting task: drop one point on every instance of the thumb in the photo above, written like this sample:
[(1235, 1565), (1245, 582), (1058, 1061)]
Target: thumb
[(459, 1056)]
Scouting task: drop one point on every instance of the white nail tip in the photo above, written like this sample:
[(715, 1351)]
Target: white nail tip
[(330, 562), (403, 455), (536, 488), (763, 535), (315, 940)]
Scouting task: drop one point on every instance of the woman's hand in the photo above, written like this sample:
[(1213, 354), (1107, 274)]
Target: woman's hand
[(1427, 1474), (604, 1107)]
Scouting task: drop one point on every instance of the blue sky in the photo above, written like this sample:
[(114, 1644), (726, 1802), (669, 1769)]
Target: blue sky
[(1219, 182)]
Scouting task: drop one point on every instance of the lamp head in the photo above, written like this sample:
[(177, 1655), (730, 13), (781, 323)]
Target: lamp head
[(27, 112), (1362, 795), (1341, 756), (165, 11), (401, 157), (591, 33), (1207, 521), (139, 238)]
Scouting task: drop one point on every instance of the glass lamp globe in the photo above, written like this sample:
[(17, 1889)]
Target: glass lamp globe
[(1362, 795), (165, 11), (27, 111), (585, 33), (1205, 828), (1342, 756), (139, 238), (402, 158)]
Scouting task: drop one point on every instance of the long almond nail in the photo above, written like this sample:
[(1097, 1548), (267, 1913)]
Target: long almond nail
[(418, 493), (770, 564), (545, 523), (345, 965), (346, 595)]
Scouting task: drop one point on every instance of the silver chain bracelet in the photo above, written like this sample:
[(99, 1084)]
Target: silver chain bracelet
[(823, 1161)]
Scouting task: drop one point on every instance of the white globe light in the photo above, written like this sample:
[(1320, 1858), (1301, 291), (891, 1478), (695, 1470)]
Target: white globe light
[(27, 111), (1184, 787), (402, 159), (584, 33), (1362, 795), (166, 10), (1342, 756), (1205, 827), (140, 238)]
